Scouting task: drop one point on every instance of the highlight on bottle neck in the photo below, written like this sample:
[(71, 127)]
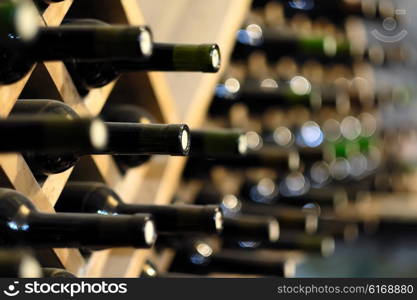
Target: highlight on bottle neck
[(218, 220), (274, 230), (19, 17), (149, 232), (98, 134), (145, 41)]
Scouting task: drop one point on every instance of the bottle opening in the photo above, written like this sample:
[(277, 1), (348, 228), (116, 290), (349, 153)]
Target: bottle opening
[(145, 42), (185, 141), (149, 232), (327, 247), (29, 268), (289, 268), (243, 144), (215, 58), (98, 134), (26, 21), (218, 220), (274, 231)]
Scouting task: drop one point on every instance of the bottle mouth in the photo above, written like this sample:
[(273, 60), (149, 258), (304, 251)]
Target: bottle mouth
[(218, 221), (29, 268), (243, 144), (215, 58), (98, 134), (273, 231), (149, 232), (26, 21), (145, 42)]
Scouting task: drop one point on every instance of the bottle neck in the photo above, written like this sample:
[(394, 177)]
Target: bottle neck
[(58, 135), (178, 219), (176, 57), (147, 139), (86, 230), (251, 229), (92, 43), (218, 143)]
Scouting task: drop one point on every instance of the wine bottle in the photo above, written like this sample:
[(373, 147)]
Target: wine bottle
[(94, 197), (123, 138), (202, 259), (64, 43), (19, 22), (131, 114), (218, 143), (337, 11), (22, 225), (19, 264), (277, 43), (52, 134), (288, 217), (56, 273), (165, 57), (324, 197), (283, 96), (324, 246), (253, 228)]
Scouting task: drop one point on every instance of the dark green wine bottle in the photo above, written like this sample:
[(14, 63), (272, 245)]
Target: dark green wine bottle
[(200, 258), (165, 57), (179, 58), (218, 143)]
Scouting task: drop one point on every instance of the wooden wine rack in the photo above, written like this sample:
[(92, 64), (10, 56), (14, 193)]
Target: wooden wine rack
[(172, 98)]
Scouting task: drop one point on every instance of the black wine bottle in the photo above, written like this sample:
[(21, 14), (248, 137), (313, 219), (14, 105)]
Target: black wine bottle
[(22, 225), (274, 158), (218, 143), (202, 259), (94, 197), (324, 197), (252, 228), (337, 10), (284, 96), (18, 264), (277, 43), (149, 270), (19, 22), (165, 57), (123, 138), (51, 134), (64, 43)]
